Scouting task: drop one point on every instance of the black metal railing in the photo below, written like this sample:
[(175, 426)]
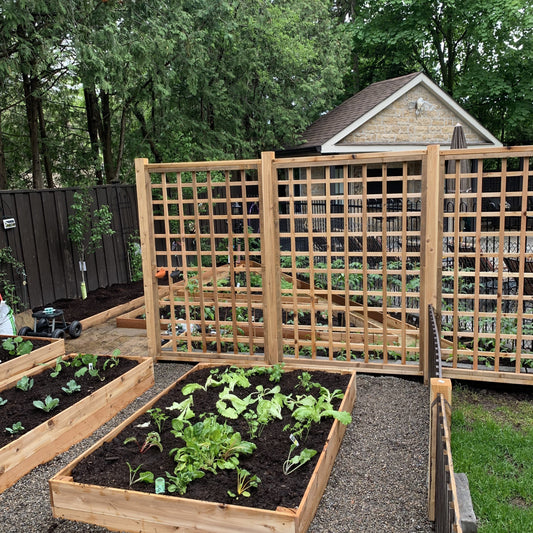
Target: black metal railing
[(434, 350)]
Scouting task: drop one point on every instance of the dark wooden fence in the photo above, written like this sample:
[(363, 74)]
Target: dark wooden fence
[(40, 241)]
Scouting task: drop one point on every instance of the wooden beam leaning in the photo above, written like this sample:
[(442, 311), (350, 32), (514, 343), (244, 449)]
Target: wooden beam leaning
[(146, 231), (269, 217)]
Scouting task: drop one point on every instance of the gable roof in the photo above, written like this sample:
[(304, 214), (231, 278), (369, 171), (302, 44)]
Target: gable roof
[(325, 135)]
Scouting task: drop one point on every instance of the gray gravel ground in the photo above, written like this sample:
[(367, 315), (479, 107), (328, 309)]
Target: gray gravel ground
[(378, 483)]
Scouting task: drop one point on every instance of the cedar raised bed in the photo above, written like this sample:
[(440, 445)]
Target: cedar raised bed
[(21, 364), (133, 511), (72, 425)]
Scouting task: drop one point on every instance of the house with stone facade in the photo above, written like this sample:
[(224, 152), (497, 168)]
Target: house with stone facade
[(405, 113)]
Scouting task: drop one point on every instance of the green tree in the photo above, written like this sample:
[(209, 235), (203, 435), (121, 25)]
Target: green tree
[(86, 229)]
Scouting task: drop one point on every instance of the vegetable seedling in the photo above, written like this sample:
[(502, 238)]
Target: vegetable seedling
[(71, 387), (60, 363), (244, 483), (17, 427), (25, 383), (159, 417), (17, 346), (152, 439), (2, 401), (293, 463), (48, 404), (146, 476), (112, 361)]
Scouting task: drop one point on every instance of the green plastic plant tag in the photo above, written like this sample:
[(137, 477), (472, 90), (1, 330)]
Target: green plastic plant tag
[(160, 485)]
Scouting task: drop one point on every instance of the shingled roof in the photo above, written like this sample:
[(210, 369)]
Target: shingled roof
[(352, 109)]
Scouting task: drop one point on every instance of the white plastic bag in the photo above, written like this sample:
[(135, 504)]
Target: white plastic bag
[(7, 319)]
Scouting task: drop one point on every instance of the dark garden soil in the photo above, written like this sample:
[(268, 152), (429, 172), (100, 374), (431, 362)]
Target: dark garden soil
[(20, 408), (107, 465), (5, 356), (97, 301)]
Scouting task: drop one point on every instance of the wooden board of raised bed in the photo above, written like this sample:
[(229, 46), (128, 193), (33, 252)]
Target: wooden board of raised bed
[(64, 429), (118, 310), (125, 509), (50, 349)]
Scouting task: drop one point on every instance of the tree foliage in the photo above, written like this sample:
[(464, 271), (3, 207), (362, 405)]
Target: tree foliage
[(87, 86), (478, 51)]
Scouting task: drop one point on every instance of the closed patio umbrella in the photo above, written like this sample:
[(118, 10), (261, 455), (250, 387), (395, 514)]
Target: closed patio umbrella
[(458, 142)]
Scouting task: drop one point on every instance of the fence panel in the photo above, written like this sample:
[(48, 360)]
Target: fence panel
[(40, 241), (487, 278)]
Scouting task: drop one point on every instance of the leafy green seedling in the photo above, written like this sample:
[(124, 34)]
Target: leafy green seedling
[(60, 363), (158, 416), (48, 404), (17, 427), (17, 346), (146, 476), (244, 483), (71, 387), (2, 401), (293, 463), (152, 439), (25, 383), (113, 361)]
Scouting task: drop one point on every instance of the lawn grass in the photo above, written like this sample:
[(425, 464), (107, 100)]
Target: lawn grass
[(492, 442)]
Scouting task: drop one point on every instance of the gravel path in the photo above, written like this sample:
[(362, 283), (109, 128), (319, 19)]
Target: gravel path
[(378, 483)]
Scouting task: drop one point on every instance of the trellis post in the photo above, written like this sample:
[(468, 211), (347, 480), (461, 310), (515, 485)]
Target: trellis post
[(431, 247), (270, 259), (149, 262)]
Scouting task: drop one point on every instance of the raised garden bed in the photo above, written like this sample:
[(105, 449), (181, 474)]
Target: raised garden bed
[(44, 350), (58, 431), (88, 489)]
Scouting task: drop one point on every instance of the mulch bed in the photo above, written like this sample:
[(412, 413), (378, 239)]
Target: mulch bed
[(20, 408), (97, 301), (107, 465)]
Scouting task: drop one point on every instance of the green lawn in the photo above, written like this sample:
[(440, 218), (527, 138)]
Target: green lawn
[(492, 442)]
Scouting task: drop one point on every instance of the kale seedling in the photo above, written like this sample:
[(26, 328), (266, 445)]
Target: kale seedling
[(147, 476), (17, 346), (71, 387), (25, 383), (17, 427), (2, 401), (244, 483), (48, 404)]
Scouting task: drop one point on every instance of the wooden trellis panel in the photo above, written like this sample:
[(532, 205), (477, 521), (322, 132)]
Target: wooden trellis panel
[(327, 260)]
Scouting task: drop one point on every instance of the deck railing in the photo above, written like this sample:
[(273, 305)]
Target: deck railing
[(328, 260)]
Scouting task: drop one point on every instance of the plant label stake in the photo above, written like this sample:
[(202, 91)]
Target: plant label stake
[(160, 485)]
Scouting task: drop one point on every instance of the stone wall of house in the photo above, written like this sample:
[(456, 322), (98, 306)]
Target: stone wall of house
[(399, 123)]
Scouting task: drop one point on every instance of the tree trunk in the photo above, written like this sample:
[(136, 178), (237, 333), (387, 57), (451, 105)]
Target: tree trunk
[(3, 167), (44, 146), (32, 115), (105, 137), (93, 118), (121, 143), (146, 135)]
